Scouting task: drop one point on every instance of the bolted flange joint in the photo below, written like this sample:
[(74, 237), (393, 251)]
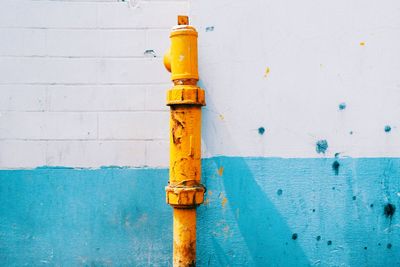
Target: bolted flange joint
[(185, 197)]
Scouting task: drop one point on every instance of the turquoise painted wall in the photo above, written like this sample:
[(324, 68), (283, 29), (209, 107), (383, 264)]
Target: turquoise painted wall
[(258, 212)]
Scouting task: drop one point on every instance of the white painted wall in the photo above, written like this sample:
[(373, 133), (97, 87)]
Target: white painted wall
[(77, 89), (76, 86), (319, 54)]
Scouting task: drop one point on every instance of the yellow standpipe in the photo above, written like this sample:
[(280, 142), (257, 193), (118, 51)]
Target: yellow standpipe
[(184, 191)]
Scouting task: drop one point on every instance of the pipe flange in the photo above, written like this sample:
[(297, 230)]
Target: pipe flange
[(185, 197), (186, 95)]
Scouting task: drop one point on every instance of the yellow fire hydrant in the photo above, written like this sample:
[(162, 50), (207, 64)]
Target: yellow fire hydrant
[(184, 191)]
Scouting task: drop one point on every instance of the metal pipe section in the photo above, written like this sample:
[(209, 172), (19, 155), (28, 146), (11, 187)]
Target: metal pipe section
[(184, 191)]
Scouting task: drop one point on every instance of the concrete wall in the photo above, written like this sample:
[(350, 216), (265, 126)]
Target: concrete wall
[(300, 132), (81, 79)]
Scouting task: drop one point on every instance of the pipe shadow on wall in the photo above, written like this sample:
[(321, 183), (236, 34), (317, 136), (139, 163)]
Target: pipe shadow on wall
[(240, 225)]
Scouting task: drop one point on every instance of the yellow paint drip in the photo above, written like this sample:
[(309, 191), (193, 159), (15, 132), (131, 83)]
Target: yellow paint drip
[(267, 70), (224, 201), (221, 171)]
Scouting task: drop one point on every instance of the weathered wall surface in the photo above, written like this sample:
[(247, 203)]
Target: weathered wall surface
[(300, 133)]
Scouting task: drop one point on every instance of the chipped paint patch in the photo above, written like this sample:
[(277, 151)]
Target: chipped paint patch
[(150, 52)]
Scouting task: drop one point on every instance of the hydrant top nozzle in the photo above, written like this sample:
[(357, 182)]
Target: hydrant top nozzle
[(181, 59), (183, 20)]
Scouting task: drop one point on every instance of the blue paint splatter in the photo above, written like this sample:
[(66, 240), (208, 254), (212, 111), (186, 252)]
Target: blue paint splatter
[(279, 192), (336, 166), (321, 146), (342, 106), (389, 210), (261, 130), (388, 128)]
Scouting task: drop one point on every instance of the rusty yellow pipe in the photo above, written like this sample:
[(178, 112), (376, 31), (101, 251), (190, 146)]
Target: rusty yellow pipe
[(184, 191)]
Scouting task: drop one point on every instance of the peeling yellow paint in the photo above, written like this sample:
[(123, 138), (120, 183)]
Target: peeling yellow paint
[(220, 171), (184, 191)]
